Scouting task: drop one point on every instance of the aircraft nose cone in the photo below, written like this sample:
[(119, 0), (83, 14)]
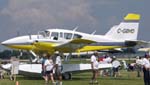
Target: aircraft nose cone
[(11, 41), (5, 43)]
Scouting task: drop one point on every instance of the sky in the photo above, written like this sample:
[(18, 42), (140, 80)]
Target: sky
[(21, 17)]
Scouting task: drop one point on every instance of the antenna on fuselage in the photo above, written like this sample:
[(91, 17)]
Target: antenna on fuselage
[(29, 35), (93, 32), (75, 28), (18, 33)]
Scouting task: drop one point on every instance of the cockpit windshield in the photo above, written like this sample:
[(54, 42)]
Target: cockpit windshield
[(77, 36), (43, 34), (47, 33)]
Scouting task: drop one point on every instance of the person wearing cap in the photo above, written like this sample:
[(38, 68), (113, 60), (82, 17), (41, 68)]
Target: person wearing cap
[(138, 65), (146, 70), (59, 68), (94, 66), (115, 64)]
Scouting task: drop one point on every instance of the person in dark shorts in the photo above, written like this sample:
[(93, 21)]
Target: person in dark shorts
[(115, 64), (49, 66)]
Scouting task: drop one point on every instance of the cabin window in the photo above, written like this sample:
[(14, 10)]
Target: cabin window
[(67, 35), (54, 35), (77, 36)]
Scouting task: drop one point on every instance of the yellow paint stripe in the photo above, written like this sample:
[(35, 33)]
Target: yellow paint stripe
[(85, 41), (94, 48), (23, 47), (132, 17)]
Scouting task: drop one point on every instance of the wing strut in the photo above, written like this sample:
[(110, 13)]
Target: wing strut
[(36, 57)]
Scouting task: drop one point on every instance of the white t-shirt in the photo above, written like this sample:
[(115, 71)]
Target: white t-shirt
[(124, 64), (146, 63), (49, 64), (95, 62), (139, 61), (108, 60), (115, 63), (58, 61)]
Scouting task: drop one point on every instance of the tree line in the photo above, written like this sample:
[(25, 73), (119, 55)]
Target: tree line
[(7, 54)]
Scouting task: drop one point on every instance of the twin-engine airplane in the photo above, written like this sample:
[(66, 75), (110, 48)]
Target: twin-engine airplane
[(51, 40)]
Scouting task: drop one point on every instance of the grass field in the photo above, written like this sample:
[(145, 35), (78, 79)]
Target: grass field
[(127, 78)]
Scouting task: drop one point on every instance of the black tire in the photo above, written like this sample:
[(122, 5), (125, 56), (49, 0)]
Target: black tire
[(66, 76)]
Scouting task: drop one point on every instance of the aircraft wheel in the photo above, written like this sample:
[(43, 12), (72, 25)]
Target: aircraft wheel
[(66, 76)]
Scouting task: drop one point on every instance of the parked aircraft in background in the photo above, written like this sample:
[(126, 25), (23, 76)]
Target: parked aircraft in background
[(34, 70)]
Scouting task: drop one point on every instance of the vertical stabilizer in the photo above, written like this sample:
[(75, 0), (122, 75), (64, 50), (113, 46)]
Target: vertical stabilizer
[(126, 30)]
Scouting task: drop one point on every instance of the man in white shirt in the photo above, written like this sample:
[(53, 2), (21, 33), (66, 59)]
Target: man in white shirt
[(115, 65), (108, 59), (94, 66), (59, 68), (138, 65), (146, 70)]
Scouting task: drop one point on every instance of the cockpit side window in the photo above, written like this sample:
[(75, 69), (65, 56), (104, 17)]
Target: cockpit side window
[(77, 36), (54, 35), (68, 35)]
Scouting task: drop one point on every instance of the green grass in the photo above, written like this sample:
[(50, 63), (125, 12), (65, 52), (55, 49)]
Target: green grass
[(127, 78)]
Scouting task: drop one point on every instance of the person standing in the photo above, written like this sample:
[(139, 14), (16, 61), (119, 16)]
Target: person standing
[(138, 66), (42, 60), (48, 67), (94, 66), (59, 68), (115, 64), (146, 70), (14, 68)]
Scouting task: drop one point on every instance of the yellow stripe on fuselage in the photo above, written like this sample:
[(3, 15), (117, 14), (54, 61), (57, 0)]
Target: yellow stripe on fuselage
[(22, 47), (94, 48)]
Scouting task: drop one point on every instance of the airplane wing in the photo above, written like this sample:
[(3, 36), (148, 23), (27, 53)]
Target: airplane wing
[(138, 43), (83, 45), (112, 45), (82, 41), (97, 48), (73, 45)]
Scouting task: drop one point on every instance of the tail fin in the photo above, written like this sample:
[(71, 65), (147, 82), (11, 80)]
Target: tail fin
[(126, 30)]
